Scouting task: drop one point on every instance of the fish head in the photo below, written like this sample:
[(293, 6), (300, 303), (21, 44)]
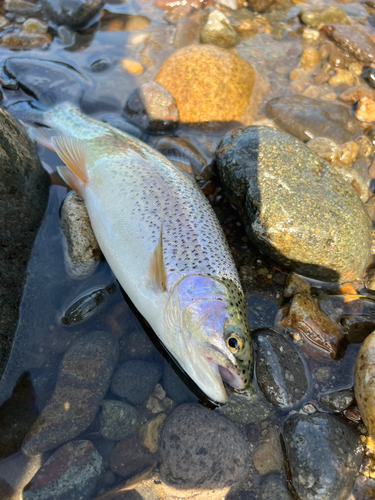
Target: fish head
[(207, 319)]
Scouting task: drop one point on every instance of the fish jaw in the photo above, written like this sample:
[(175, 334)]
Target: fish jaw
[(224, 367)]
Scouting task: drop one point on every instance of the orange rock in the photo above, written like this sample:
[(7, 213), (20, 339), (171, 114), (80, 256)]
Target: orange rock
[(365, 111), (133, 67), (209, 84)]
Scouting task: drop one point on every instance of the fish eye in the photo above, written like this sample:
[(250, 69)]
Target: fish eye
[(235, 343)]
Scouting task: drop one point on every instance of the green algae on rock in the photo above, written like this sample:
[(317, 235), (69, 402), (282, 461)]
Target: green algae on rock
[(364, 383), (296, 207)]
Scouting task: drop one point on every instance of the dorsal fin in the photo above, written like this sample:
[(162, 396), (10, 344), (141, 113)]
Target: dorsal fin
[(157, 273), (73, 153)]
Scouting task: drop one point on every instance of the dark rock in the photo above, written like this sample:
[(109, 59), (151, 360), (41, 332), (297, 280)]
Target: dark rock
[(175, 388), (135, 380), (83, 380), (43, 381), (261, 311), (129, 457), (117, 420), (74, 13), (202, 449), (307, 118), (87, 306), (357, 327), (18, 470), (279, 369), (321, 336), (249, 410), (152, 108), (324, 456), (136, 345), (99, 65), (50, 82), (352, 42), (369, 74), (322, 231), (274, 487), (124, 126), (180, 151), (338, 400), (23, 199), (70, 473), (364, 383), (295, 284)]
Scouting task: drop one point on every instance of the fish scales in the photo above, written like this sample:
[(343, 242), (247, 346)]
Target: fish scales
[(134, 197)]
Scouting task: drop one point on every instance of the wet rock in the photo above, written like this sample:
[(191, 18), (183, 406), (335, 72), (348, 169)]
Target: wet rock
[(338, 400), (365, 111), (309, 58), (21, 7), (208, 84), (71, 472), (268, 457), (262, 311), (23, 200), (256, 160), (18, 470), (175, 388), (342, 78), (117, 420), (323, 454), (25, 41), (364, 381), (260, 5), (187, 33), (279, 370), (321, 335), (151, 107), (352, 42), (216, 29), (247, 410), (355, 179), (74, 13), (370, 279), (87, 306), (32, 25), (129, 457), (83, 252), (149, 432), (181, 151), (354, 94), (369, 75), (202, 449), (135, 380), (43, 381), (295, 284), (3, 22), (136, 345), (307, 118), (357, 327), (50, 82), (273, 487), (83, 380), (330, 15), (100, 65)]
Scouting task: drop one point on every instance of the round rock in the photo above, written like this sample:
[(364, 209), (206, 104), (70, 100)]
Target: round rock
[(296, 207), (202, 449), (324, 456), (135, 380), (117, 420), (279, 369), (209, 84), (129, 457), (74, 13)]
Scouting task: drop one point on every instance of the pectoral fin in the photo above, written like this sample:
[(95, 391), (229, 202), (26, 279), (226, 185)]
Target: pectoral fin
[(73, 153), (157, 273)]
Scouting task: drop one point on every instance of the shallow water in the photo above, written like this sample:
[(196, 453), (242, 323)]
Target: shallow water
[(42, 338)]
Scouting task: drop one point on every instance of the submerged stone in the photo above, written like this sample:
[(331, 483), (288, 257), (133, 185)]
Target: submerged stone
[(296, 207), (71, 472), (209, 84), (280, 371), (129, 457), (217, 29), (364, 383), (117, 420), (324, 456), (201, 449), (87, 306), (338, 400), (357, 327), (83, 380), (307, 118), (352, 42), (330, 15), (74, 13)]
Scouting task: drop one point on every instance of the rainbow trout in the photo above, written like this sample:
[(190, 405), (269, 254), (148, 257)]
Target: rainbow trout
[(164, 244)]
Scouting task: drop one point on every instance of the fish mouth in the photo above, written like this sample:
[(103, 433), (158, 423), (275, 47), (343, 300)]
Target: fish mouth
[(224, 369)]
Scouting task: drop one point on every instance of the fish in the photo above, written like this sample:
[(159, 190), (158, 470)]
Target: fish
[(163, 242)]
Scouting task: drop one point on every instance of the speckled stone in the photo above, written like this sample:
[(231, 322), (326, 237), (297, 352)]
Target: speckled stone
[(296, 207), (117, 420), (324, 456), (306, 118), (352, 41), (330, 15), (364, 383), (83, 380), (207, 83), (217, 29)]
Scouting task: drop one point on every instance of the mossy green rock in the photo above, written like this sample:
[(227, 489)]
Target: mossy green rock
[(330, 15), (296, 207)]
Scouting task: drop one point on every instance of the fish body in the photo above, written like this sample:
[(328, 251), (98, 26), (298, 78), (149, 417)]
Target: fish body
[(165, 246)]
